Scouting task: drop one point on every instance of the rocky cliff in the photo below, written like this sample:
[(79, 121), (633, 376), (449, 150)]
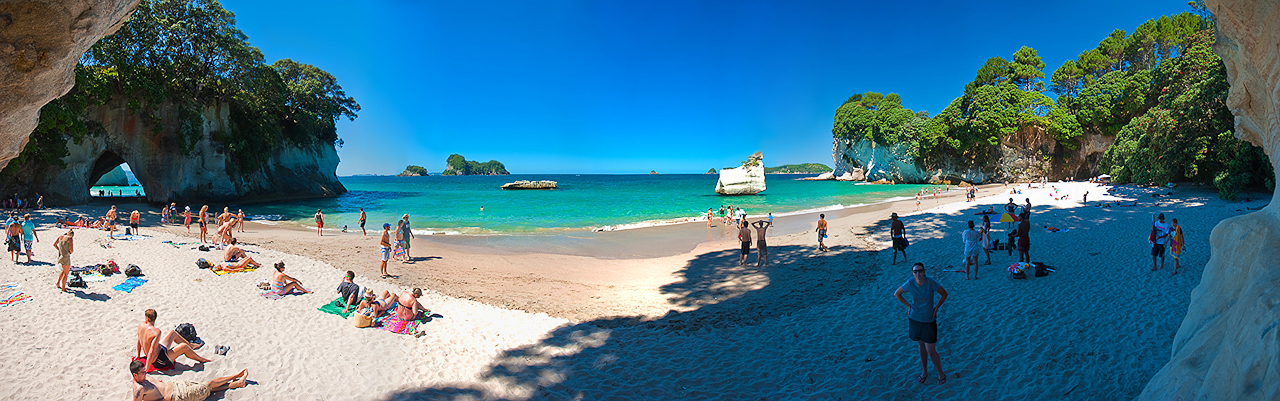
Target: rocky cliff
[(747, 179), (1228, 346), (413, 171), (40, 43), (170, 174), (113, 178), (1025, 156)]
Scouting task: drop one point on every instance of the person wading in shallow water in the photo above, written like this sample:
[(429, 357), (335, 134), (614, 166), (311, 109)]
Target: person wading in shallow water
[(922, 316)]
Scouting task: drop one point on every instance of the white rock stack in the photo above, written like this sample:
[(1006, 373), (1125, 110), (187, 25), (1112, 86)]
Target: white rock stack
[(745, 180)]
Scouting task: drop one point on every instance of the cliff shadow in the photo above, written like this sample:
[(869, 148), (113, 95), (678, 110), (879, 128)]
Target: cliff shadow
[(658, 357)]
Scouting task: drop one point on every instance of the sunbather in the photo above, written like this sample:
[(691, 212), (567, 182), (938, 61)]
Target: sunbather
[(234, 256), (145, 389), (161, 350), (283, 284), (409, 307), (349, 291)]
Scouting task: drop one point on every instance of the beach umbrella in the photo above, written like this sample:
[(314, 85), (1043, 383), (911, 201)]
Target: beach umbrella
[(1008, 217)]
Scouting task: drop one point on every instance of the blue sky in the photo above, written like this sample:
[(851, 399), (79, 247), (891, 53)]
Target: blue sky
[(622, 87)]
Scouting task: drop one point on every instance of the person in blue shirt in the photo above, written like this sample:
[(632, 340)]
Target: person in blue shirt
[(28, 234), (922, 316)]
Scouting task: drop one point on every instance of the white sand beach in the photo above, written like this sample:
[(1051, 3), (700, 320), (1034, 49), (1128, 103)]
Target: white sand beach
[(694, 325)]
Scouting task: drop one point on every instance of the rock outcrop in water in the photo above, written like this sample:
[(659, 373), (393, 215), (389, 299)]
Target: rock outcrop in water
[(168, 174), (523, 184), (413, 171), (40, 43), (747, 179), (1228, 346), (113, 178)]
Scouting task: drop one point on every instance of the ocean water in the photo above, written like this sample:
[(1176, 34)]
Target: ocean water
[(452, 204)]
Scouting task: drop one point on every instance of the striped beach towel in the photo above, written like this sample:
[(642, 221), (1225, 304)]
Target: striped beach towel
[(398, 326), (9, 286), (16, 297)]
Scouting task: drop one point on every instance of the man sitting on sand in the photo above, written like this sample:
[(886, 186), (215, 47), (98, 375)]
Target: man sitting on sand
[(145, 389), (349, 291), (236, 259), (409, 307), (160, 351)]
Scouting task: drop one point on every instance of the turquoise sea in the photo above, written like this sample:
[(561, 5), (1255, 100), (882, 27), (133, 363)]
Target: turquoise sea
[(452, 204)]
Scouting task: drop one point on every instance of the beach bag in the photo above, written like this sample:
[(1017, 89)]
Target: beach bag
[(1041, 269), (76, 281), (203, 263), (905, 243), (187, 331), (204, 248), (105, 270), (114, 267), (133, 271), (127, 232), (361, 321), (1018, 275)]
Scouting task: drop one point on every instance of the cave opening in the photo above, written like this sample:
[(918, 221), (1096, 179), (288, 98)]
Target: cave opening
[(111, 177)]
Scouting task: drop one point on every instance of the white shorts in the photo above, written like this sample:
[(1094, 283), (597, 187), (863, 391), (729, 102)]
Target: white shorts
[(386, 254)]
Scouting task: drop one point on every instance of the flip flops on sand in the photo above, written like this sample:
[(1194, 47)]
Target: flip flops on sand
[(221, 349)]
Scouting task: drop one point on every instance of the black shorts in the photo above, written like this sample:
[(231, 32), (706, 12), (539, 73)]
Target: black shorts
[(134, 225), (14, 244), (763, 247), (899, 244), (821, 234), (361, 223), (1157, 250), (746, 247), (920, 331), (201, 223)]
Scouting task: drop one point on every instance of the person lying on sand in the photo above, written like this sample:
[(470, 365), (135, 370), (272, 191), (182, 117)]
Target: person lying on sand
[(161, 350), (384, 302), (283, 284), (409, 306), (235, 255), (145, 389)]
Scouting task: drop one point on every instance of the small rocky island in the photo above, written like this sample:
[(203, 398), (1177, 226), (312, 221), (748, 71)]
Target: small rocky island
[(458, 165), (747, 179), (522, 184), (413, 171), (711, 171)]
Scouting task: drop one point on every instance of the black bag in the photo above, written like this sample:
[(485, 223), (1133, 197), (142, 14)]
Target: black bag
[(187, 331), (133, 271), (204, 248), (105, 270), (203, 263), (1018, 275), (126, 231), (1041, 269), (76, 281)]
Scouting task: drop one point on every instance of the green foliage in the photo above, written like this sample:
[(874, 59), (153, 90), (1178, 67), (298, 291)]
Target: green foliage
[(875, 117), (412, 170), (457, 165), (803, 168)]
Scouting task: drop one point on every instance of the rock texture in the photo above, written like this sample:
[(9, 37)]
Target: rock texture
[(1228, 346), (413, 171), (168, 174), (40, 43), (747, 179), (113, 178), (522, 184)]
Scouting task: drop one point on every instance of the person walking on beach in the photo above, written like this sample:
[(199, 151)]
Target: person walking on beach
[(1159, 235), (762, 255), (406, 234), (111, 222), (133, 221), (822, 232), (710, 215), (363, 217), (29, 234), (13, 230), (186, 218), (240, 219), (1176, 244), (986, 237), (1027, 209), (65, 246), (898, 232), (384, 245), (319, 223), (744, 235), (972, 240), (922, 318), (917, 201), (203, 221), (1024, 238)]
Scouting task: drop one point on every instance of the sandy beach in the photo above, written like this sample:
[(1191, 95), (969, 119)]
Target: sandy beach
[(682, 323)]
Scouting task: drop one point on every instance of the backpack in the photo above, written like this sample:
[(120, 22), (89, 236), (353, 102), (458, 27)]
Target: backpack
[(1041, 269), (1019, 275), (76, 281), (187, 331), (105, 270), (203, 263), (133, 271)]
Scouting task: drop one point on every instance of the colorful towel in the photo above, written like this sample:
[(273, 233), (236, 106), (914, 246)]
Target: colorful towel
[(335, 308), (92, 277), (398, 326), (273, 295), (89, 268), (16, 297), (400, 252), (222, 272), (130, 284), (10, 286), (123, 237)]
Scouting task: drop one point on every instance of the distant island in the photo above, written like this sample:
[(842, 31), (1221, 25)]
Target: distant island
[(655, 172), (457, 165), (711, 171), (806, 168), (413, 171)]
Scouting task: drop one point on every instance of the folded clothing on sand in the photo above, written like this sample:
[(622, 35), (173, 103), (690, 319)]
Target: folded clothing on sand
[(335, 308), (129, 284)]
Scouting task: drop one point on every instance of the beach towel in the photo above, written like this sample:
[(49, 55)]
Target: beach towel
[(274, 295), (93, 277), (16, 297), (400, 252), (89, 268), (222, 272), (1175, 245), (398, 326), (129, 237), (10, 286), (335, 308), (130, 284)]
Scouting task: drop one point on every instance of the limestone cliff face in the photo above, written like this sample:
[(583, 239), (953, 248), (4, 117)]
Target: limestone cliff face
[(113, 178), (747, 179), (1027, 155), (168, 174), (1228, 346), (40, 43)]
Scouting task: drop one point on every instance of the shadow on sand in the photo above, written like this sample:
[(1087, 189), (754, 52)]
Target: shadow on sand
[(639, 357)]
